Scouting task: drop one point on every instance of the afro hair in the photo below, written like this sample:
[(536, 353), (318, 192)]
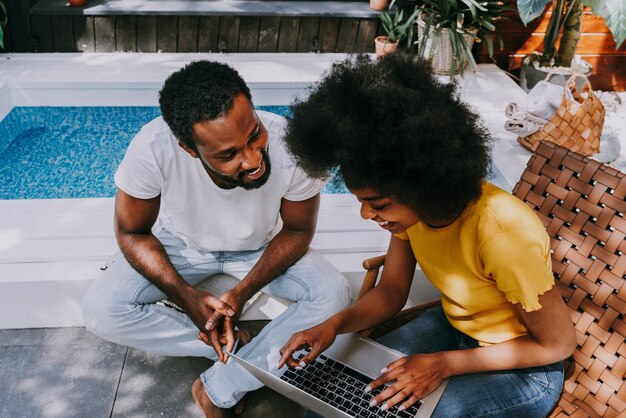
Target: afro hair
[(391, 126)]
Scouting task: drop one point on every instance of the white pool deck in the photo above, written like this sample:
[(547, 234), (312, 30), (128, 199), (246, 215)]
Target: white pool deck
[(52, 250)]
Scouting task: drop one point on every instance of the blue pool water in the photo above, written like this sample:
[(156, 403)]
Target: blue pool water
[(71, 152)]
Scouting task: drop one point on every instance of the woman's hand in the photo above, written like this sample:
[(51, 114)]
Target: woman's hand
[(415, 377), (319, 338)]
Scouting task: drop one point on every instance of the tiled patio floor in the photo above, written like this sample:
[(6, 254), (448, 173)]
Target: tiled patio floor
[(68, 372)]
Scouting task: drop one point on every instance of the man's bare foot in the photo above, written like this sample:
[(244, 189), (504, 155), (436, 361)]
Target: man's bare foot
[(240, 407), (244, 337), (202, 399), (210, 410), (205, 404)]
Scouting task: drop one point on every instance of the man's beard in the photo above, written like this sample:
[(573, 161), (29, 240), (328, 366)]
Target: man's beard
[(240, 180)]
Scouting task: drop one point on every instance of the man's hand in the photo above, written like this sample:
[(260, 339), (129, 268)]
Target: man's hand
[(201, 307), (415, 377), (224, 325), (319, 338)]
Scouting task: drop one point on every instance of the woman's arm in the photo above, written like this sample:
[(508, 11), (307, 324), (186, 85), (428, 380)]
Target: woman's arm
[(551, 337), (378, 305), (387, 298), (418, 375)]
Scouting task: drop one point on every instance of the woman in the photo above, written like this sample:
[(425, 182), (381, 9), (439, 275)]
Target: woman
[(417, 158)]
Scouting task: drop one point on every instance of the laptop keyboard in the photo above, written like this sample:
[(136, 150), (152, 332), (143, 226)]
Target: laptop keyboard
[(342, 387)]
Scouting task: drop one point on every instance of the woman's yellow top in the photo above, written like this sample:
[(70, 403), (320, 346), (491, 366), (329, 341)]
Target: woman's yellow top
[(497, 253)]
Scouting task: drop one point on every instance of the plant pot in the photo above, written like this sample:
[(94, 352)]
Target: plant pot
[(442, 59), (530, 75), (378, 4), (383, 46)]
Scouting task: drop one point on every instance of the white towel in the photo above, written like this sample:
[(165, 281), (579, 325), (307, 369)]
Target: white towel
[(511, 110), (521, 122), (543, 100), (522, 127)]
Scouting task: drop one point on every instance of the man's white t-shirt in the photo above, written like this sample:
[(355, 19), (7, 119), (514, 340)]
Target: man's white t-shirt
[(193, 207)]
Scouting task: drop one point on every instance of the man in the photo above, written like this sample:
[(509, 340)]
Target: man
[(201, 191)]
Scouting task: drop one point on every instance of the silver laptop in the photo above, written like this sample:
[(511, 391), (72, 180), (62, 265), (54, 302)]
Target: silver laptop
[(333, 386)]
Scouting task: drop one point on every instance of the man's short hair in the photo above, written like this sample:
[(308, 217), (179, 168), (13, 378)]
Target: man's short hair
[(390, 125), (200, 91)]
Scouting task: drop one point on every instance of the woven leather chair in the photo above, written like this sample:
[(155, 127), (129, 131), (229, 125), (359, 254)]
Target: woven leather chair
[(582, 204)]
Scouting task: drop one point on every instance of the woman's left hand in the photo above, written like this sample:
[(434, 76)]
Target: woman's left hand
[(415, 376)]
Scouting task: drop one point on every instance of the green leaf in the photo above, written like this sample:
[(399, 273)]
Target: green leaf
[(471, 7), (3, 22), (529, 10), (488, 39), (487, 24), (473, 4), (614, 14)]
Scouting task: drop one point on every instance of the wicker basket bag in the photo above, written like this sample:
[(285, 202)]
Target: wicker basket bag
[(442, 58), (576, 124)]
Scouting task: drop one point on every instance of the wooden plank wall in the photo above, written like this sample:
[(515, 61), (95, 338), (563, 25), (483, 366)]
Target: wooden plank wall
[(596, 45), (145, 33), (202, 33)]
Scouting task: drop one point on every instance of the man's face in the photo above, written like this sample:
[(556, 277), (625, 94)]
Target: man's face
[(233, 148)]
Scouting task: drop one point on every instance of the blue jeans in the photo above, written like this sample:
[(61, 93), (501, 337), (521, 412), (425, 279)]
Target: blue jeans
[(520, 393), (530, 392), (120, 307)]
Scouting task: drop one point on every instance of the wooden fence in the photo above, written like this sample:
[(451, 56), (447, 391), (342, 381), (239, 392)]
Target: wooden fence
[(64, 33), (57, 28)]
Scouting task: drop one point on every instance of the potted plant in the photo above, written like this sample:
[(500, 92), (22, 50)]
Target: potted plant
[(378, 4), (566, 17), (447, 30), (396, 28)]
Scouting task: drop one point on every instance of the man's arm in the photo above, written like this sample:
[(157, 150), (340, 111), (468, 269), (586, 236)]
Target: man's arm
[(291, 243), (134, 219)]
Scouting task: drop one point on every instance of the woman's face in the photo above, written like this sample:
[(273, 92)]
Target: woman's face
[(387, 212)]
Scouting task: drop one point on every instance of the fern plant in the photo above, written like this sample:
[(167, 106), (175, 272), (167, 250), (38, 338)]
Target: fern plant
[(395, 26), (462, 19)]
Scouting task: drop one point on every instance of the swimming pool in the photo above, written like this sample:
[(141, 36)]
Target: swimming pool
[(73, 151)]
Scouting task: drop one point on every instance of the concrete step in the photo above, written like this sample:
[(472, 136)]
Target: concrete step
[(52, 250)]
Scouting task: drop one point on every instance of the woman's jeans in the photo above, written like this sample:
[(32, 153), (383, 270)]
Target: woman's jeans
[(528, 393), (120, 307)]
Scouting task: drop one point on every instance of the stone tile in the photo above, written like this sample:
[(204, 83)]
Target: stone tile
[(59, 380), (155, 386), (68, 372), (47, 336)]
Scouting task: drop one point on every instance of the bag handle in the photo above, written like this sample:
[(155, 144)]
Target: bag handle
[(559, 71), (572, 81)]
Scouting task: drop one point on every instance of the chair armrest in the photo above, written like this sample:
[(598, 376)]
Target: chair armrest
[(372, 265), (374, 262)]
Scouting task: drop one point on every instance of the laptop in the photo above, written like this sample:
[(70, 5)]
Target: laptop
[(333, 386)]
